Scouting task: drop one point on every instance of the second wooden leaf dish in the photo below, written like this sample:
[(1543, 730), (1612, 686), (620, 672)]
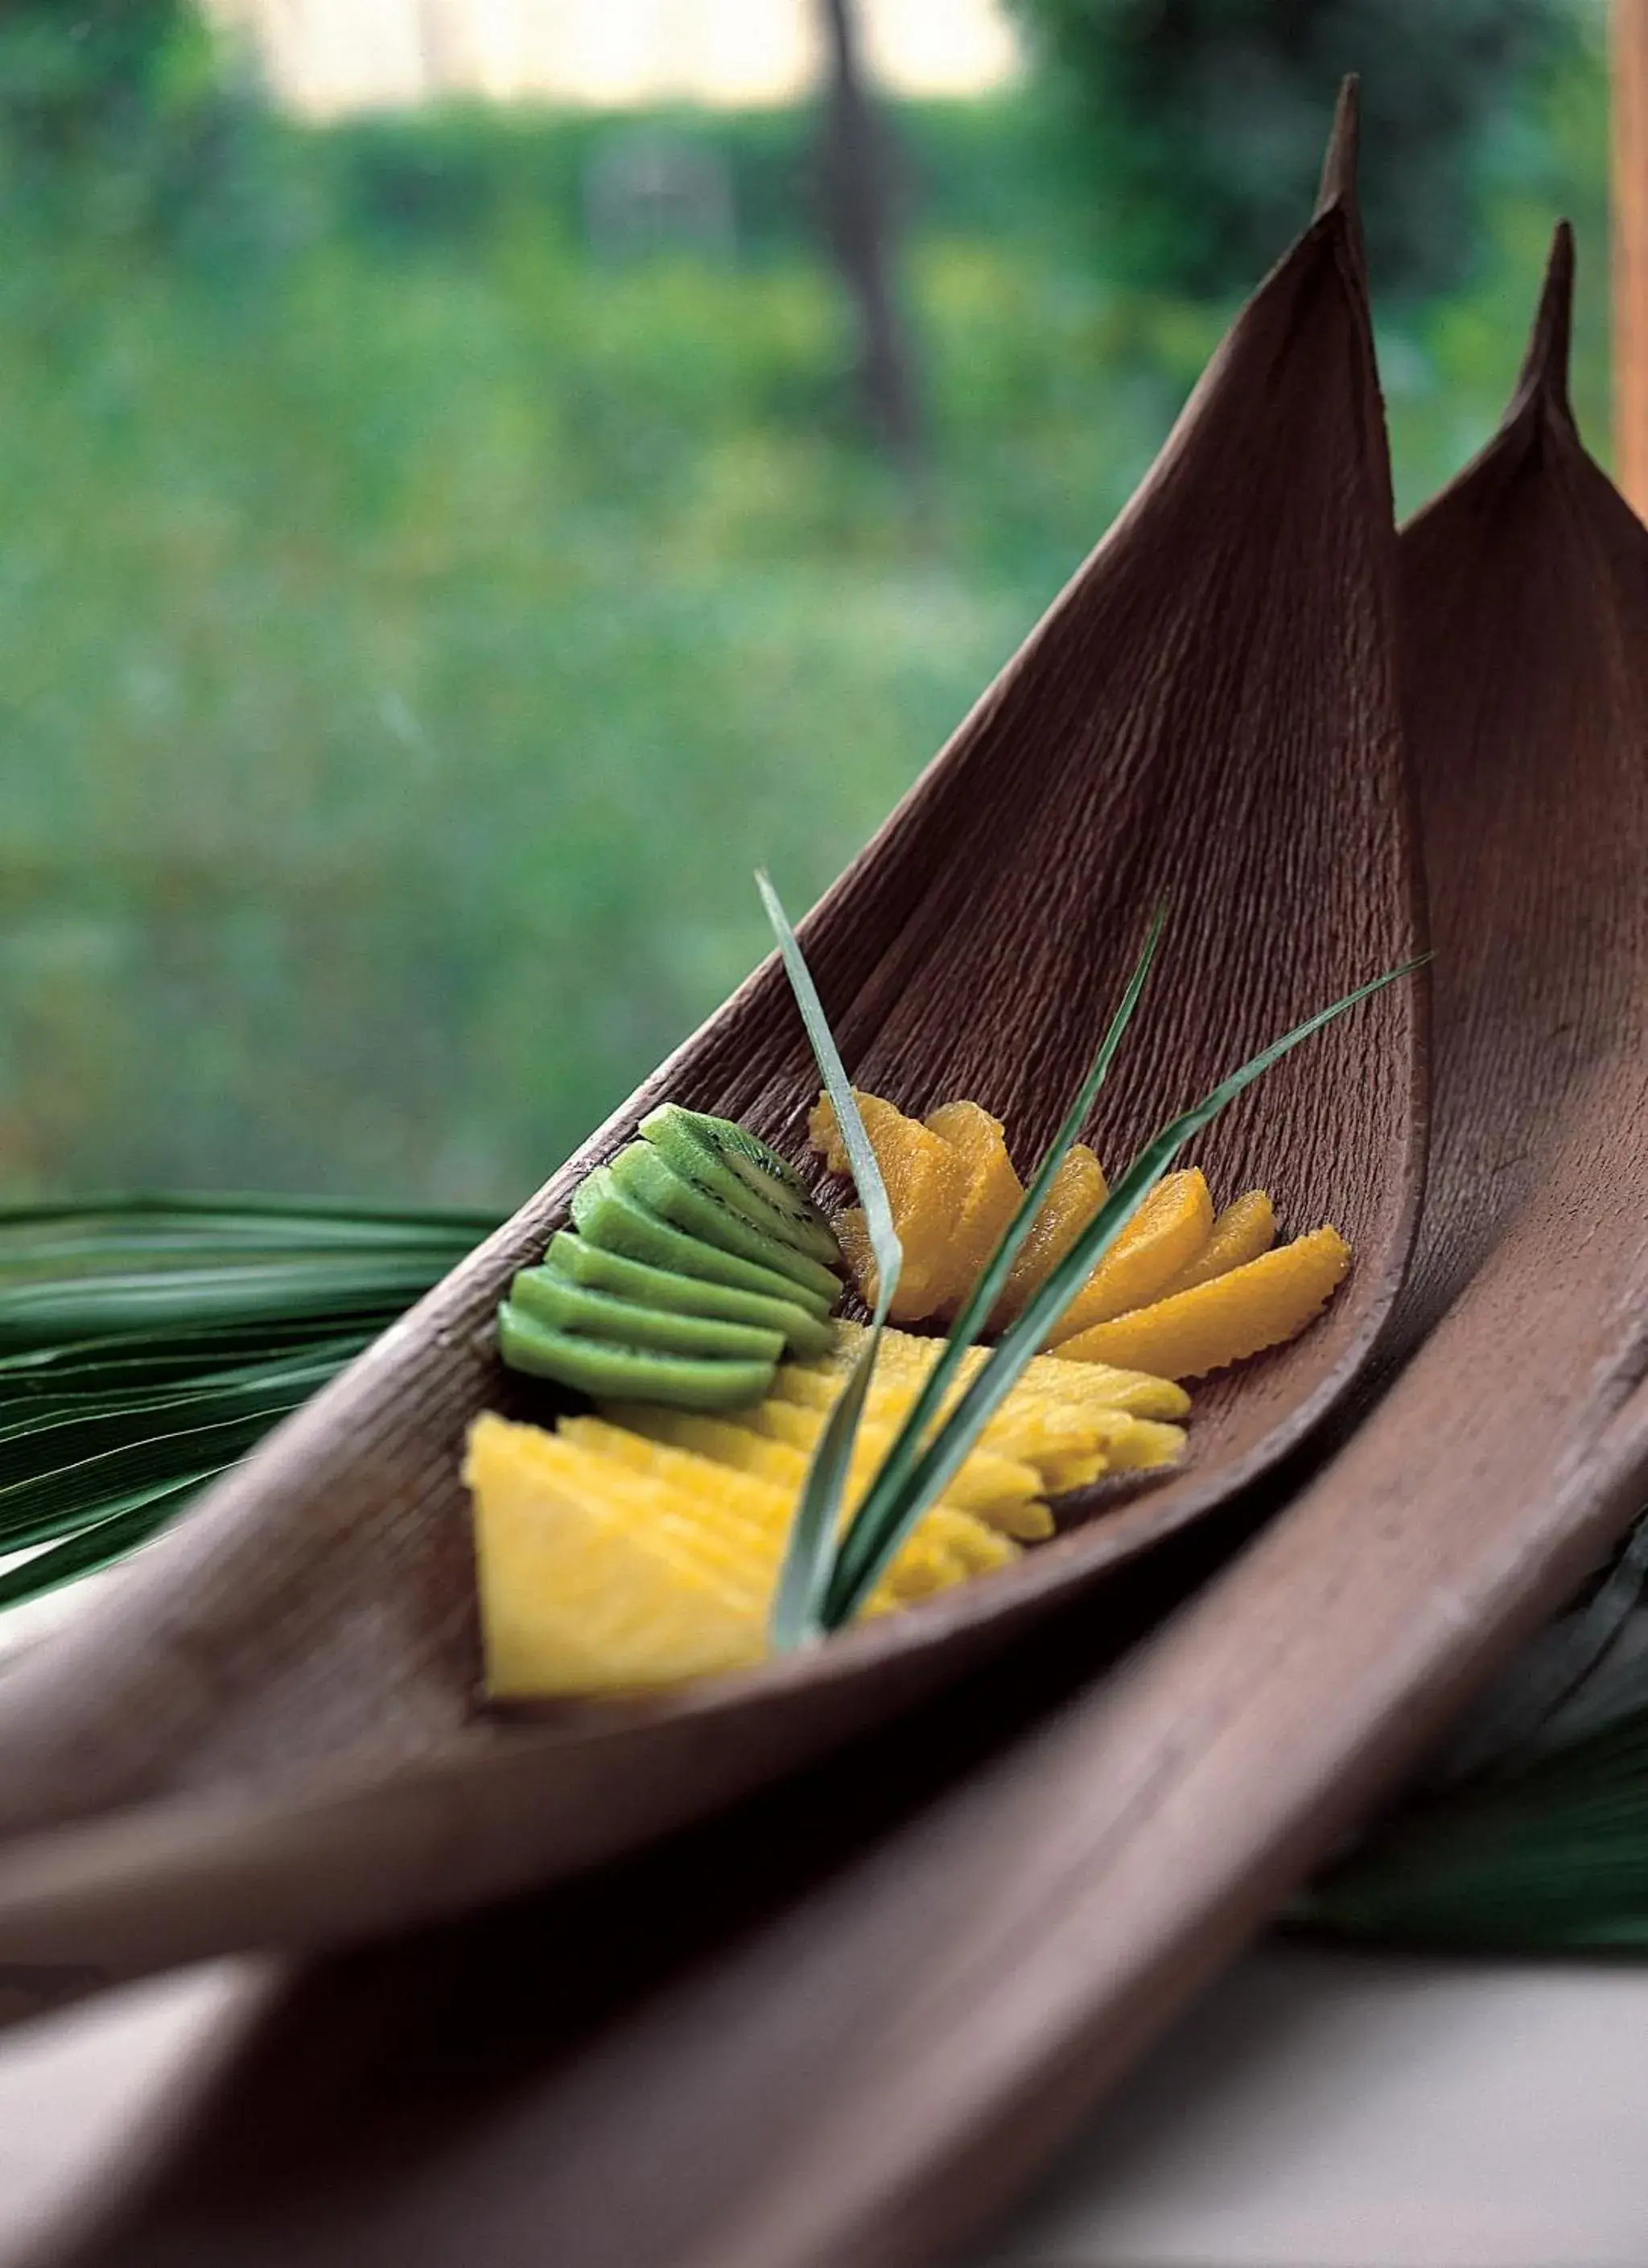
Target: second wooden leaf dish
[(272, 1732)]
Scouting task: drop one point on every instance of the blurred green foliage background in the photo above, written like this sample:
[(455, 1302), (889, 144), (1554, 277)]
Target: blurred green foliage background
[(422, 602)]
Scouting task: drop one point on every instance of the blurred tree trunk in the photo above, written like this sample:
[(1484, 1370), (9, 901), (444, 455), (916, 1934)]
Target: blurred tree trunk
[(860, 205)]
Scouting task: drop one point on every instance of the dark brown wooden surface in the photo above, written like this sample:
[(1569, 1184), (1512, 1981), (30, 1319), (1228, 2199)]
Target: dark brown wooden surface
[(272, 1733), (864, 2066), (1629, 61)]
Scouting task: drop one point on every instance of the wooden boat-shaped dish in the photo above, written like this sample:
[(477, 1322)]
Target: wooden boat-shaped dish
[(272, 1730)]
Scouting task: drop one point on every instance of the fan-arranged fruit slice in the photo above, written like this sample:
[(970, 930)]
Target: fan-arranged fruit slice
[(949, 1541), (551, 1298), (985, 1479), (580, 1261), (1079, 1190), (1067, 1442), (1240, 1234), (607, 1214), (992, 1195), (748, 1447), (732, 1167), (1164, 1235), (926, 1183), (926, 1562), (601, 1367), (906, 1356), (1249, 1309), (647, 1176), (582, 1587), (700, 1260)]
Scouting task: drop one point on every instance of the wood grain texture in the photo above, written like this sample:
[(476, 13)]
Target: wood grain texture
[(862, 2072), (273, 1733), (1629, 68)]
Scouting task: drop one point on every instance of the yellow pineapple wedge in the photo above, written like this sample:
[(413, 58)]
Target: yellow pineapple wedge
[(609, 1562), (906, 1357), (942, 1551), (1058, 1437), (984, 1480), (1241, 1313), (579, 1594), (746, 1449)]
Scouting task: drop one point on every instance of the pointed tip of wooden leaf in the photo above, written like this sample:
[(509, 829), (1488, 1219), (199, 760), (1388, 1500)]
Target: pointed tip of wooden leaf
[(1338, 189), (1544, 375)]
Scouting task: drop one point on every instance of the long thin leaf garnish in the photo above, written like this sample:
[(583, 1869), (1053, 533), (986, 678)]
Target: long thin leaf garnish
[(146, 1343), (810, 1553), (975, 1315), (888, 1511)]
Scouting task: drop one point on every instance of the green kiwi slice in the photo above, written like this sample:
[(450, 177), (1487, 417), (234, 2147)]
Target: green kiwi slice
[(647, 1176), (738, 1168), (548, 1297), (581, 1262), (608, 1215), (625, 1373)]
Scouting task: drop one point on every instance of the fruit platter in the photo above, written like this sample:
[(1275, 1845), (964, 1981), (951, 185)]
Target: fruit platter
[(1050, 1193)]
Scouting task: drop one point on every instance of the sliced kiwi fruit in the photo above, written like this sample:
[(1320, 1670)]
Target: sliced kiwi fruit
[(579, 1260), (608, 1215), (647, 1176), (548, 1297), (737, 1168), (627, 1373)]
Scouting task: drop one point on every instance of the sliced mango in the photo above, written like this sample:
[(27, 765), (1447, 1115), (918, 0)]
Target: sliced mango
[(1165, 1234), (1241, 1313), (926, 1184), (993, 1194), (1079, 1191), (1240, 1234)]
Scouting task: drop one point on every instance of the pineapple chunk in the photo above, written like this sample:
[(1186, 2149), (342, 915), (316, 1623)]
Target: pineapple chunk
[(1067, 1442), (945, 1527), (579, 1596), (906, 1356), (984, 1480), (925, 1564), (1241, 1313)]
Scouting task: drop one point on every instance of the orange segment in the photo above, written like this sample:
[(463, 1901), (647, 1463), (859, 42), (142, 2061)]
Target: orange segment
[(926, 1183), (1240, 1234), (993, 1193), (1241, 1313), (1079, 1191), (1165, 1234)]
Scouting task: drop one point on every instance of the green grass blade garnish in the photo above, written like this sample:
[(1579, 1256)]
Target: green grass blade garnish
[(810, 1553), (148, 1342), (975, 1315), (889, 1510)]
